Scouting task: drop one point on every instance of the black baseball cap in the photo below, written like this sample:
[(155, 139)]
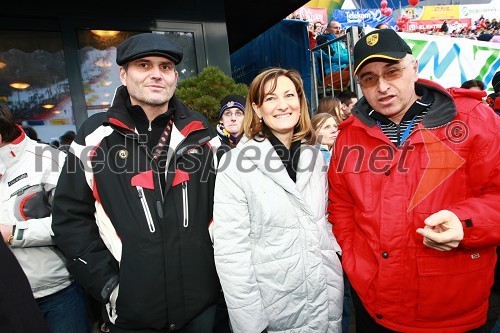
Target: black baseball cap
[(148, 44), (496, 82), (379, 44)]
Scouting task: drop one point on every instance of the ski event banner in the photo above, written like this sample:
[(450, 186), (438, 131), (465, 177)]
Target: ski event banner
[(451, 61), (362, 18)]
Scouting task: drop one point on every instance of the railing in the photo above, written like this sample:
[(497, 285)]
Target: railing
[(321, 60)]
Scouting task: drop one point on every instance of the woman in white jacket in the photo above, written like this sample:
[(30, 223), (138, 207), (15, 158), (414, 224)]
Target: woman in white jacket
[(275, 253)]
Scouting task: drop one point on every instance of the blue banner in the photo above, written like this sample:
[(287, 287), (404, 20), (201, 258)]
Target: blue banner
[(362, 18), (372, 4)]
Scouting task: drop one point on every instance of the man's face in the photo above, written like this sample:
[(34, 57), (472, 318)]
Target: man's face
[(231, 119), (150, 81), (334, 28), (389, 88), (347, 107)]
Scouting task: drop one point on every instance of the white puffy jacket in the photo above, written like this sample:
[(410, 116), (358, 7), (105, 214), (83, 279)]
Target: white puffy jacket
[(275, 252), (28, 168)]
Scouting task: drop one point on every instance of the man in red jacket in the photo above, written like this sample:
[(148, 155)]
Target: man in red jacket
[(415, 197)]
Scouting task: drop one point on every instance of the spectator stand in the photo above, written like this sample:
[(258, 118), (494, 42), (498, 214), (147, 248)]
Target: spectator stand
[(325, 82)]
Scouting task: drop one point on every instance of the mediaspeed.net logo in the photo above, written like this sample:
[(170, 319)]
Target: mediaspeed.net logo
[(438, 151), (443, 160)]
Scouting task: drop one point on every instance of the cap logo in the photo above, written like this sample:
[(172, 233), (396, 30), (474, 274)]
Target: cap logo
[(229, 104), (372, 40)]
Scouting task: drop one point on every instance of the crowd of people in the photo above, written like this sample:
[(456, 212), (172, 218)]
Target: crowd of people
[(271, 221), (483, 29)]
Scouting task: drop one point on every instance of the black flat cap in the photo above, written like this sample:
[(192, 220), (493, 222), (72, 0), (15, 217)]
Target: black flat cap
[(384, 44), (148, 44)]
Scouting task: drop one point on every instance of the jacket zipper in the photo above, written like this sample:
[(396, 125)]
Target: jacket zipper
[(145, 207), (185, 207)]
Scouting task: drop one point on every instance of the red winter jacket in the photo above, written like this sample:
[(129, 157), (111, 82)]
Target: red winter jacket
[(381, 194)]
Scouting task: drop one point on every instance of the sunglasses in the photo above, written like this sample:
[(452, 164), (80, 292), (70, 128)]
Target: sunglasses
[(393, 73)]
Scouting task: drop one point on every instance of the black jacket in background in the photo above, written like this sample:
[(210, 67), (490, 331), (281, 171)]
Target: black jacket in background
[(19, 312)]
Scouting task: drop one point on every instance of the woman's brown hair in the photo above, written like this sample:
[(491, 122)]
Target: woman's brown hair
[(331, 105), (252, 126), (317, 121)]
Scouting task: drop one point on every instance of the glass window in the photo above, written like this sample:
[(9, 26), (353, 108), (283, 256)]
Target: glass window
[(34, 81), (100, 74), (34, 75)]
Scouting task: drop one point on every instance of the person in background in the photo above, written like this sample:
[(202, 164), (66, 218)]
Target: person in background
[(270, 200), (55, 143), (331, 105), (473, 88), (335, 58), (326, 130), (29, 172), (31, 133), (347, 100), (133, 208), (19, 312), (232, 111), (415, 197), (66, 139), (444, 27), (313, 32), (473, 84), (493, 99)]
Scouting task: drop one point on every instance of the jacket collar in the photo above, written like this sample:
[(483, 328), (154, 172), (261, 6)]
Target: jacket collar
[(119, 114), (441, 112), (261, 153), (9, 154)]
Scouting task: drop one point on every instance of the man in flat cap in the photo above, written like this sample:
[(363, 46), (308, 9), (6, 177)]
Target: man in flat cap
[(415, 196), (133, 205)]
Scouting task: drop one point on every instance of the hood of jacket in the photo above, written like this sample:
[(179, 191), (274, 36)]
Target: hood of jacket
[(441, 112)]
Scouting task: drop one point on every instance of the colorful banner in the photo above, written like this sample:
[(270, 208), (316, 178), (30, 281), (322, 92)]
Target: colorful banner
[(440, 13), (451, 61), (362, 17), (474, 12), (329, 5), (372, 4), (426, 25), (311, 14)]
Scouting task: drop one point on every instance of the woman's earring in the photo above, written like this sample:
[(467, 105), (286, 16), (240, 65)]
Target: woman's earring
[(260, 119)]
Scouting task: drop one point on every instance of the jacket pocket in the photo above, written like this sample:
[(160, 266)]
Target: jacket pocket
[(360, 185), (145, 207), (453, 283)]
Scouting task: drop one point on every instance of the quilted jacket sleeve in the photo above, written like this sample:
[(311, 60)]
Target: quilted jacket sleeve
[(482, 208)]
